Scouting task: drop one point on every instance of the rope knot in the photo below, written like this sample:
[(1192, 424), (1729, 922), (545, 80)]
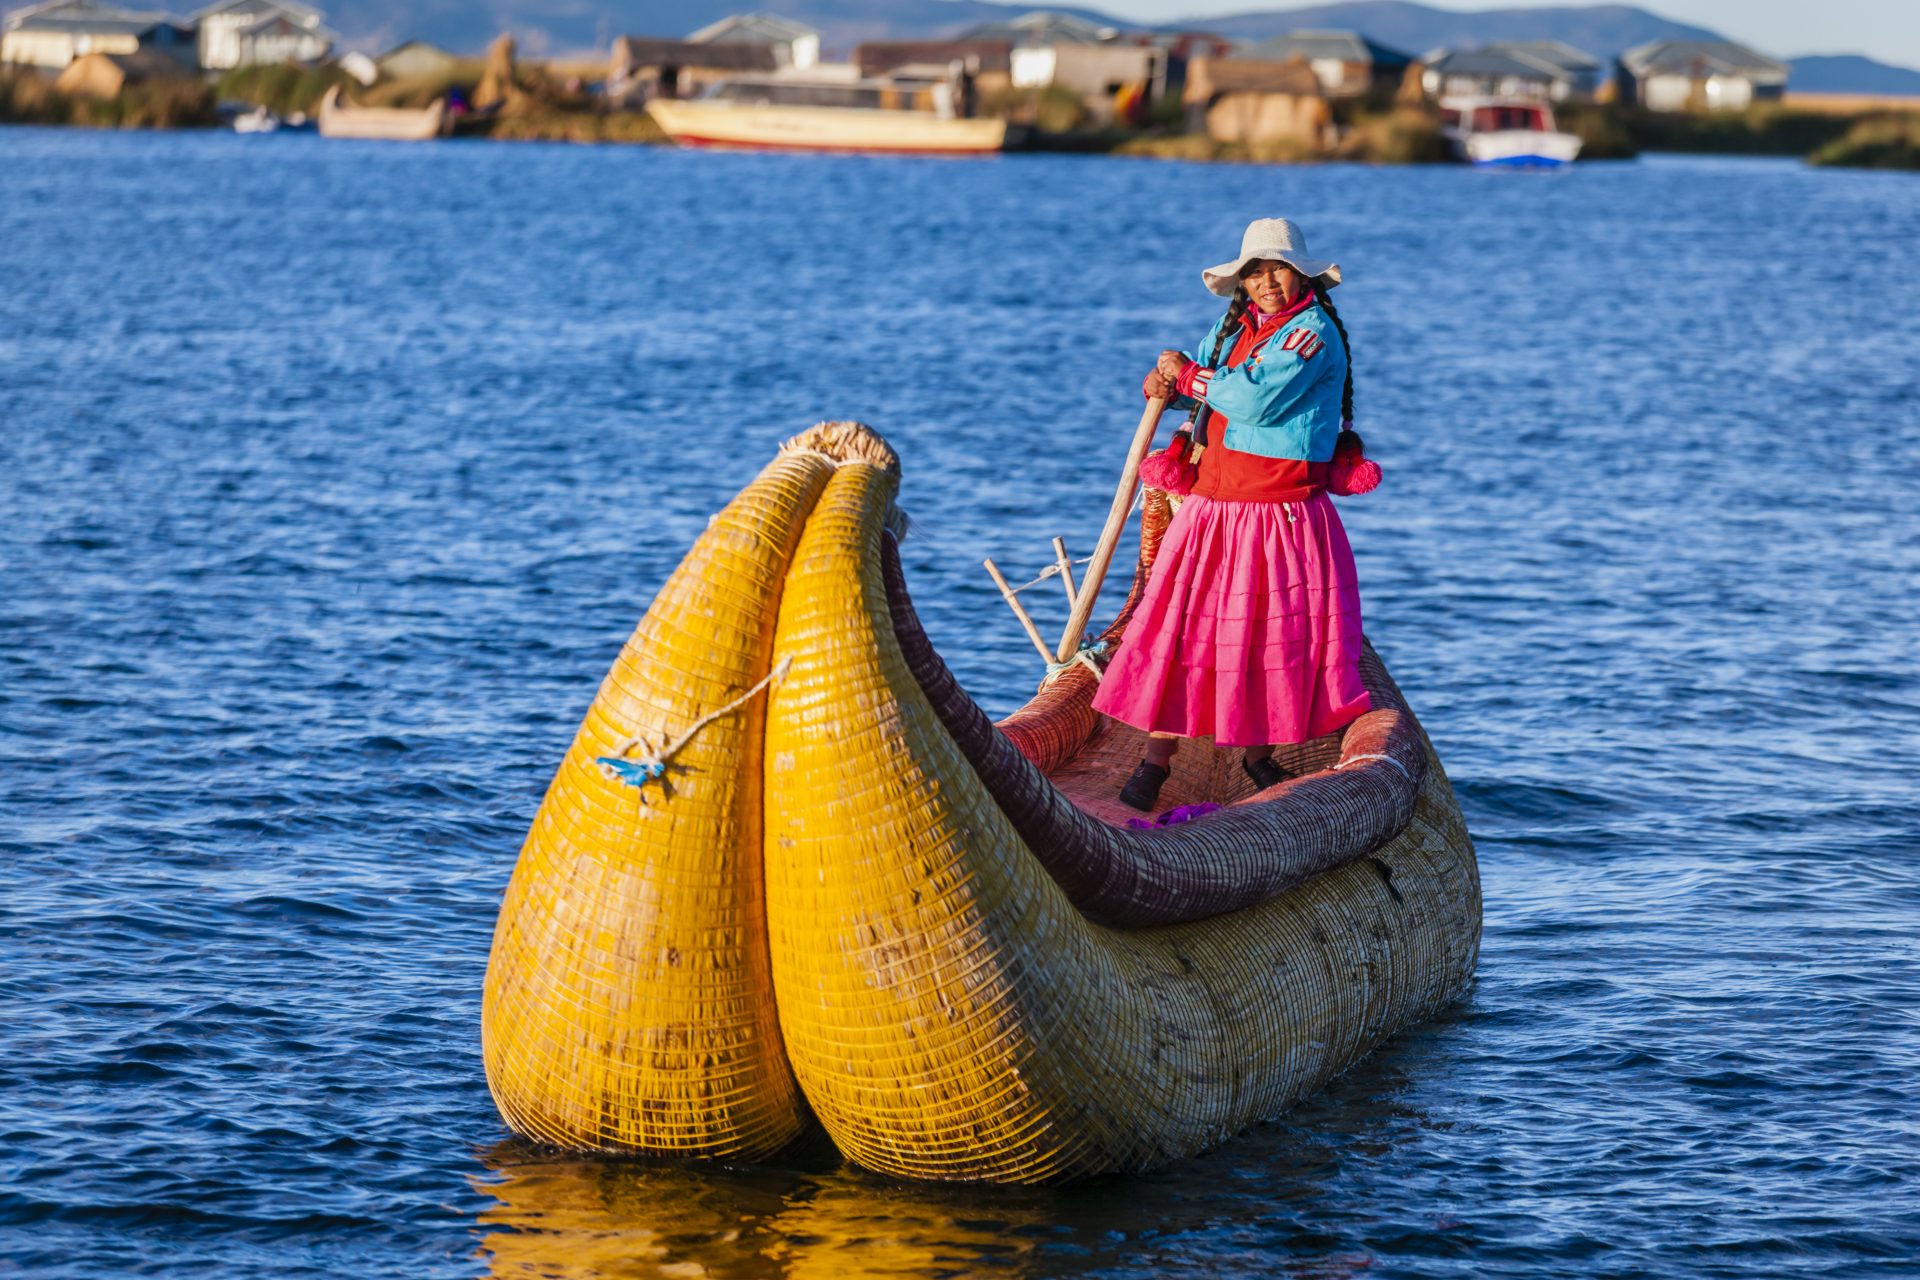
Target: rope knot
[(1087, 655), (652, 767)]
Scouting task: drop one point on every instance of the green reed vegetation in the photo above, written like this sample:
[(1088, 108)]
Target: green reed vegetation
[(552, 125), (1877, 142), (1768, 129), (282, 89)]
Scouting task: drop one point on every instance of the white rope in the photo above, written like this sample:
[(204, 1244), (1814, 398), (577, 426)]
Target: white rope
[(653, 765), (1053, 570), (1086, 656), (1376, 756)]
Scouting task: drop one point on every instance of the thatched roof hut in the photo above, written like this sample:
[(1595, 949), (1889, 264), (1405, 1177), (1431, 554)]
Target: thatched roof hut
[(106, 75), (1256, 100)]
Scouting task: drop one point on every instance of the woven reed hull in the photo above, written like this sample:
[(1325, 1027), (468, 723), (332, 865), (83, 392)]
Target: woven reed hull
[(948, 1011), (628, 1002), (848, 907)]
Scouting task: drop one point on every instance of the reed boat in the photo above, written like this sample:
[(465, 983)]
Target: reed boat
[(777, 114), (340, 118), (789, 876)]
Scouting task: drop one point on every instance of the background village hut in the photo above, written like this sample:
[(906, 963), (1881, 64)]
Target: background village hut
[(989, 62), (1543, 69), (1698, 75), (52, 35), (244, 33), (1250, 100), (795, 45), (1099, 73), (1346, 63), (642, 67), (108, 75), (416, 60)]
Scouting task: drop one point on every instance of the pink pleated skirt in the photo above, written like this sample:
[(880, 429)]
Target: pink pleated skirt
[(1249, 629)]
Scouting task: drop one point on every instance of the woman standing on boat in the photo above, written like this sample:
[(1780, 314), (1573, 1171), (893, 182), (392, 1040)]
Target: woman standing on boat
[(1249, 628)]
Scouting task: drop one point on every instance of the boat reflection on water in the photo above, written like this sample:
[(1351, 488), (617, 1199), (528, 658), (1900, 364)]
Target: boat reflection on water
[(583, 1219), (1298, 1199)]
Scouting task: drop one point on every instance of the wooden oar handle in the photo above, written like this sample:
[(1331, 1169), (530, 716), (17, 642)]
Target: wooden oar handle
[(1110, 536)]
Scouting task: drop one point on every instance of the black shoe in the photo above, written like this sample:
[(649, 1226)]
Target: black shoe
[(1264, 772), (1143, 788)]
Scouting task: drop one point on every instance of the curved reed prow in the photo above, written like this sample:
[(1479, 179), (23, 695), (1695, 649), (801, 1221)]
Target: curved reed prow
[(948, 1010)]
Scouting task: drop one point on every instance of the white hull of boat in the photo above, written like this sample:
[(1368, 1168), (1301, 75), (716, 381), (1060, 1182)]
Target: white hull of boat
[(1517, 149), (259, 121), (756, 127), (340, 119)]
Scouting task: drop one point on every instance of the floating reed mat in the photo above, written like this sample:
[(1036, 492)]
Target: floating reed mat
[(852, 901)]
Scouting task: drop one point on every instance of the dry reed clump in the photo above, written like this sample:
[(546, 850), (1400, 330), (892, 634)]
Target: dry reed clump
[(527, 125), (1879, 142), (1200, 147), (421, 91), (27, 97), (1404, 135), (1054, 109), (1768, 129), (1603, 134)]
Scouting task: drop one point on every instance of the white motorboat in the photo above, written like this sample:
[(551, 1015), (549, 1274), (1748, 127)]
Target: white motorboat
[(258, 120), (1506, 133)]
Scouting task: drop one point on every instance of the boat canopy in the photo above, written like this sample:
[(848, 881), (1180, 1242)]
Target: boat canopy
[(1490, 115), (870, 95)]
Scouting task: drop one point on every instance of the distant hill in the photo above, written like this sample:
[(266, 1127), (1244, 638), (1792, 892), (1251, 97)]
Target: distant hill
[(1850, 73), (571, 25), (544, 26), (551, 27), (1603, 30)]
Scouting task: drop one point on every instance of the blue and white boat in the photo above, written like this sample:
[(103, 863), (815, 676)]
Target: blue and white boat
[(1506, 133)]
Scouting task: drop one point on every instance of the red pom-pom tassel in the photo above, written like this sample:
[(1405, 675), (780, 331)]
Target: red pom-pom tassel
[(1352, 471), (1169, 469), (1363, 478)]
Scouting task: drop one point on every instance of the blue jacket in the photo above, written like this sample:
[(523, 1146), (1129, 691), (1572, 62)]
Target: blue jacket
[(1283, 400)]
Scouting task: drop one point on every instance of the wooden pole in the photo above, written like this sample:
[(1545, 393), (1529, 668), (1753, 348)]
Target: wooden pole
[(1065, 562), (1110, 536), (1013, 602)]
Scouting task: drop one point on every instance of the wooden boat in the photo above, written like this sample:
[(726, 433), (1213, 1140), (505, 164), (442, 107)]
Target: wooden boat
[(774, 114), (340, 118), (841, 896)]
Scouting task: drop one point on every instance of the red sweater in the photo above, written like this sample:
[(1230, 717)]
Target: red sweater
[(1247, 477)]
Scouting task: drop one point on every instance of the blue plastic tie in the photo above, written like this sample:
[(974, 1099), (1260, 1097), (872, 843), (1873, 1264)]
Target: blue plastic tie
[(636, 773)]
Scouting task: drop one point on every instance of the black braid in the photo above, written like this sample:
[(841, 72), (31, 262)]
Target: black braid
[(1346, 396), (1197, 419), (1235, 309)]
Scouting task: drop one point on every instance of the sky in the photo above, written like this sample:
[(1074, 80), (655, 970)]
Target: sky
[(1888, 30)]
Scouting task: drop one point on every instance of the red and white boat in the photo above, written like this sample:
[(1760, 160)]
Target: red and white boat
[(1506, 133)]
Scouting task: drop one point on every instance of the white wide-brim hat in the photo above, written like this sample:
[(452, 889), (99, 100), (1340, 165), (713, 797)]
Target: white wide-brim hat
[(1271, 238)]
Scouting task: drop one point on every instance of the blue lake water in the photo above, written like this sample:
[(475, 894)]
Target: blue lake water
[(334, 475)]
